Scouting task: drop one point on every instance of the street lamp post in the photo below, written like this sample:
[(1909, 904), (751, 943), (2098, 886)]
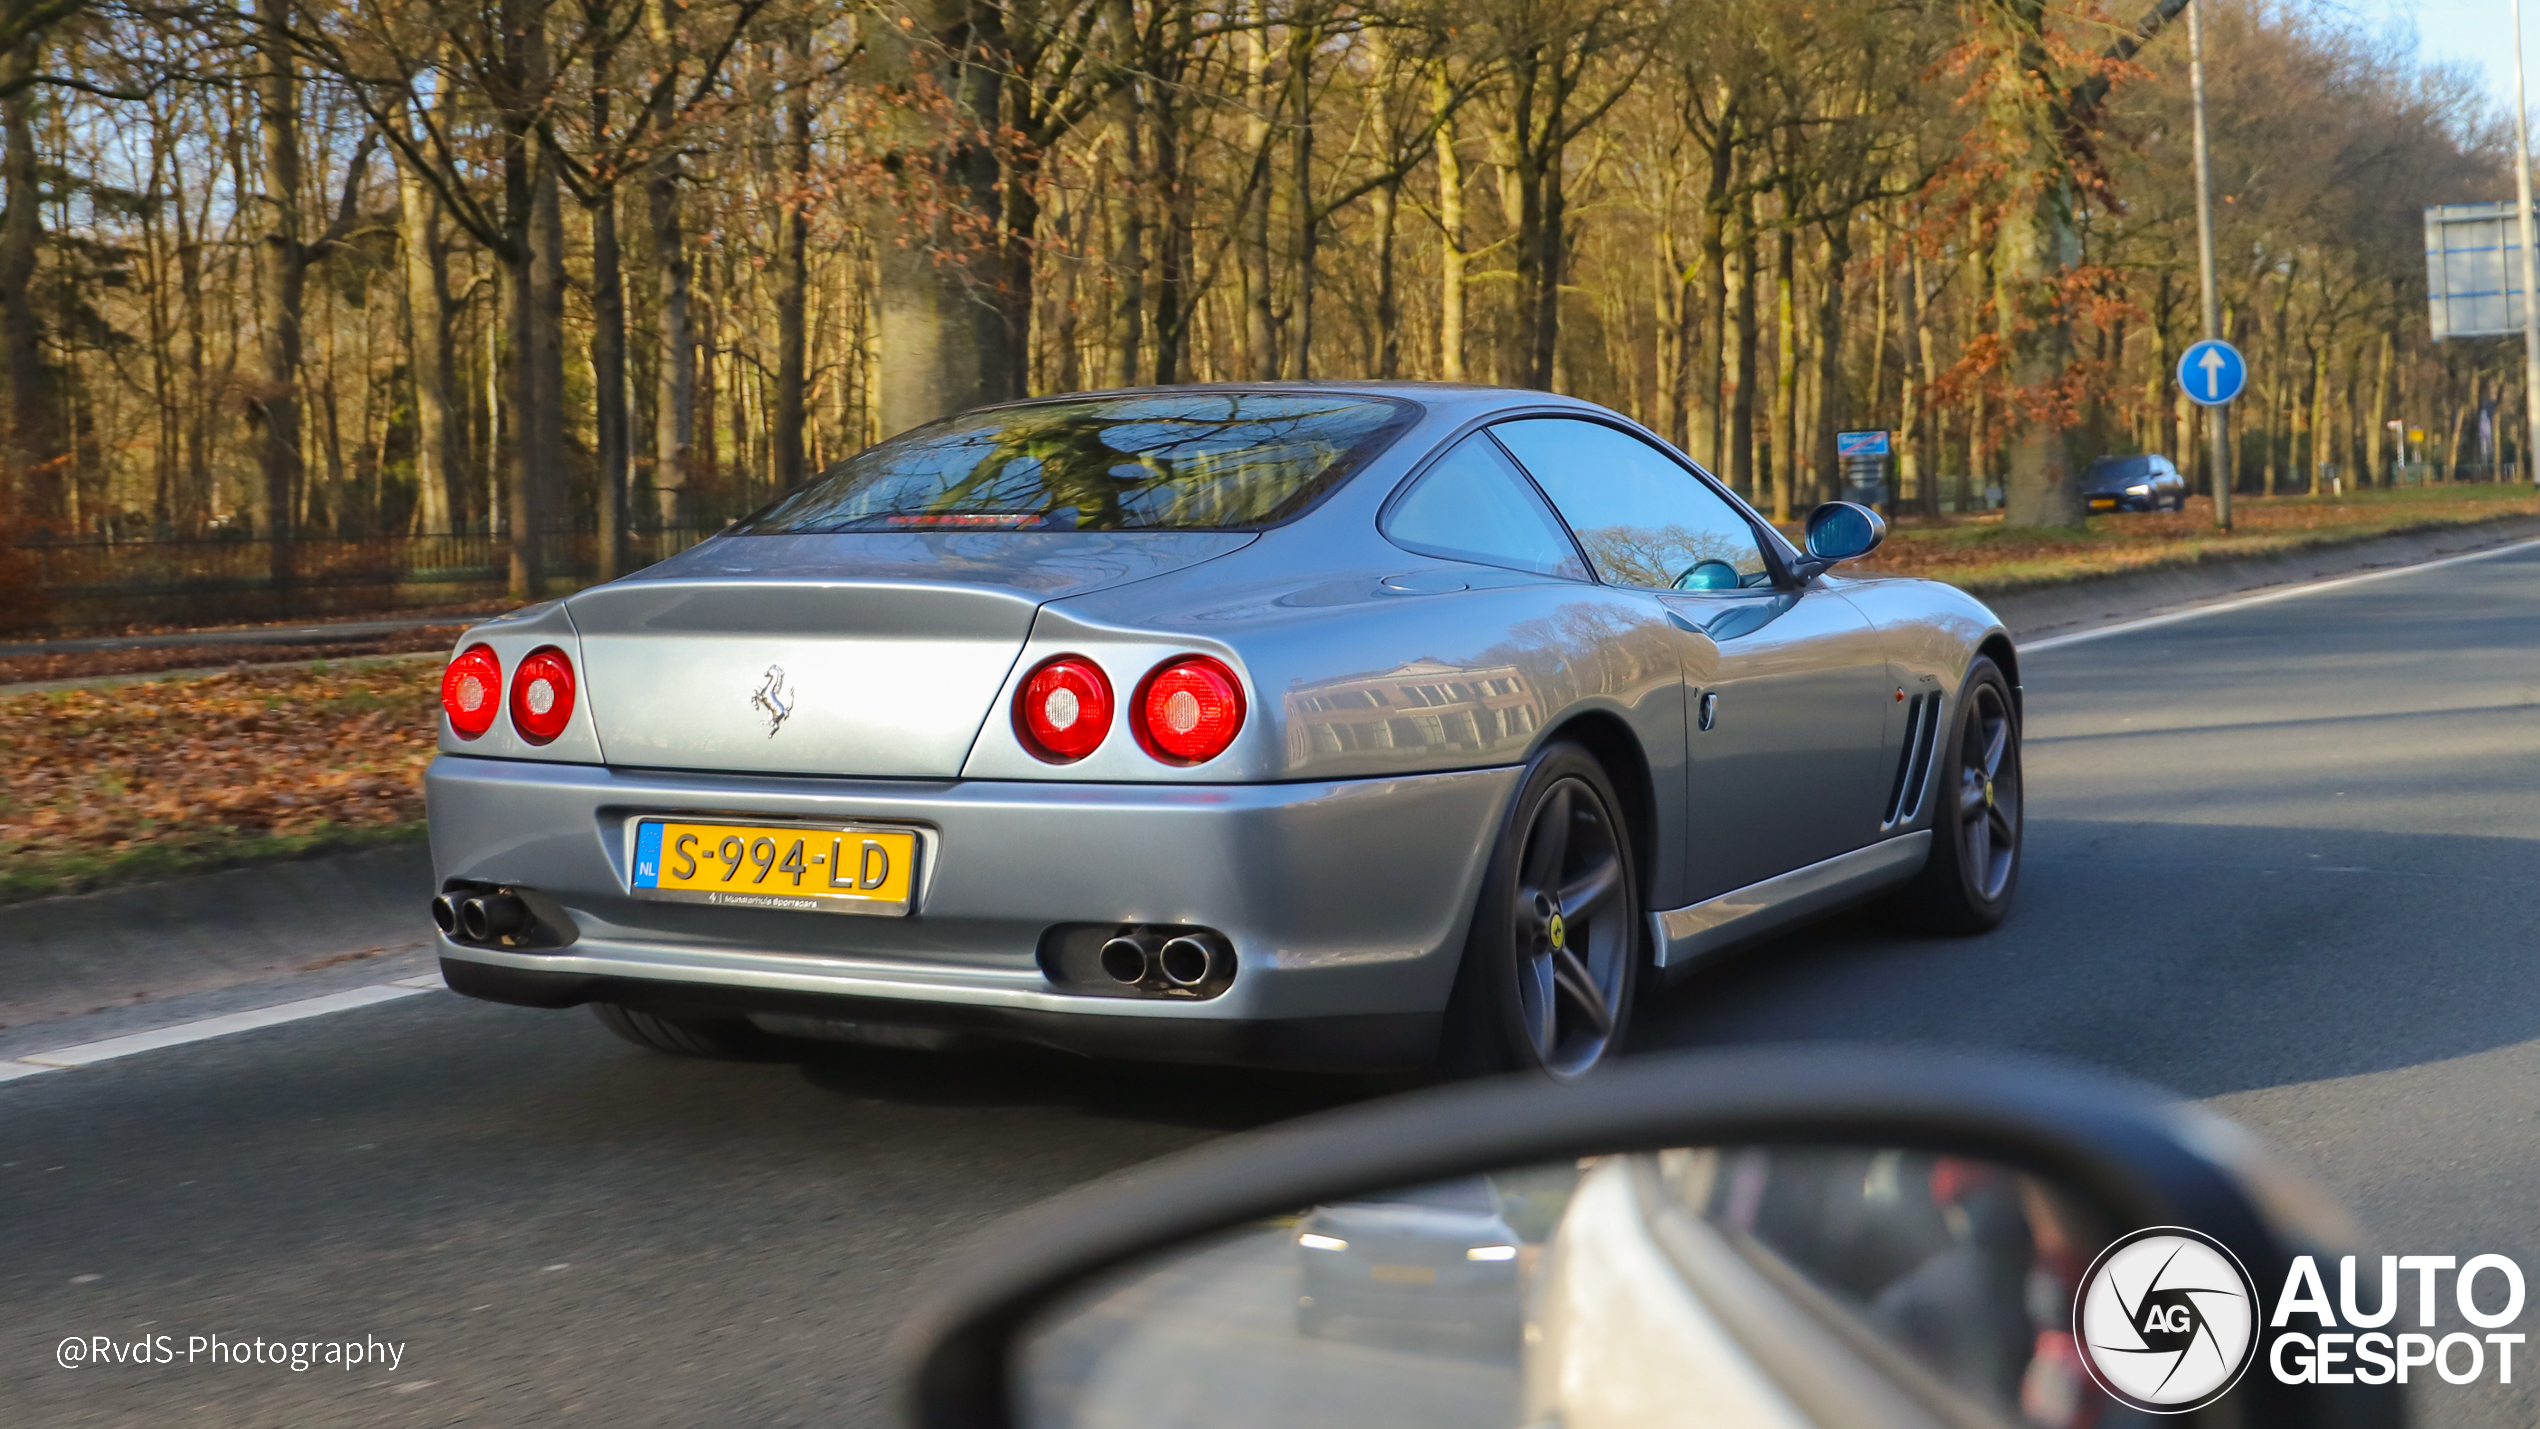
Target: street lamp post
[(2218, 418), (2530, 265)]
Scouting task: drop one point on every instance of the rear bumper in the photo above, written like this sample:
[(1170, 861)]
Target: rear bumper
[(1346, 903)]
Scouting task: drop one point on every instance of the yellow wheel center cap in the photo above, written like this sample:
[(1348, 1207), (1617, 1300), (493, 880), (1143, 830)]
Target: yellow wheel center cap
[(1559, 930), (1988, 793)]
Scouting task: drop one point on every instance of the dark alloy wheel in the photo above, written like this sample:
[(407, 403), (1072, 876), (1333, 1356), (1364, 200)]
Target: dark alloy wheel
[(1975, 856), (683, 1036), (1549, 969)]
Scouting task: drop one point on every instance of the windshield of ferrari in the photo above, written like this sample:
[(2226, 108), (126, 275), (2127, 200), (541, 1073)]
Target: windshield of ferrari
[(1166, 461)]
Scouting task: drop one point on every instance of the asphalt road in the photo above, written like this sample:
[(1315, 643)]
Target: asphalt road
[(2279, 859)]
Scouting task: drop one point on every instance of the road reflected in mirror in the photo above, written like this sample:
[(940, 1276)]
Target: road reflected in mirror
[(1748, 1285)]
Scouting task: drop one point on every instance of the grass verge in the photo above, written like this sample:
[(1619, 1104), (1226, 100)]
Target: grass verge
[(1979, 554), (46, 875), (115, 785)]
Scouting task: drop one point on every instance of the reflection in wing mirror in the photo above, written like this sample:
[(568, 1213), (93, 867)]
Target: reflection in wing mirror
[(1840, 531), (1818, 1237)]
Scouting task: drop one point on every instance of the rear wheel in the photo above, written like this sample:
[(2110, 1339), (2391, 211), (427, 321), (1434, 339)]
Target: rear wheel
[(681, 1036), (1549, 967), (1975, 852)]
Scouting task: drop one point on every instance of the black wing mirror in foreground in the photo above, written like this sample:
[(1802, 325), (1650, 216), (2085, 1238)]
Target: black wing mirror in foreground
[(1840, 531), (1829, 1238)]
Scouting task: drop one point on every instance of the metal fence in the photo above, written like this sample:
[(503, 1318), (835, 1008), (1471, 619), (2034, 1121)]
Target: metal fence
[(52, 584)]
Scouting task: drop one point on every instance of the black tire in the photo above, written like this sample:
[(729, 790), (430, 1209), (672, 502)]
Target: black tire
[(1978, 815), (1554, 954), (682, 1036)]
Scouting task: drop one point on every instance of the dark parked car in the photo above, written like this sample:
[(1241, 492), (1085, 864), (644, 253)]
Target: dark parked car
[(1444, 1254), (2134, 483)]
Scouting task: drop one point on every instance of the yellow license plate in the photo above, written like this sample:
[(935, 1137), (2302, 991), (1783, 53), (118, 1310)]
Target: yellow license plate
[(1404, 1274), (2109, 505), (832, 868)]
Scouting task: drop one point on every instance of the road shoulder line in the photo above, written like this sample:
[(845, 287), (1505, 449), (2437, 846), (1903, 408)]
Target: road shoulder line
[(2290, 592), (204, 1029)]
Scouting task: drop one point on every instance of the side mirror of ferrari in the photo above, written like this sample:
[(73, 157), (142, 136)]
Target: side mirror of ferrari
[(1840, 531), (1826, 1238)]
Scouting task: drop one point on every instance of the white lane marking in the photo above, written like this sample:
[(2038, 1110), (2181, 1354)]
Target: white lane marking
[(430, 982), (87, 1053), (11, 1071), (2286, 593)]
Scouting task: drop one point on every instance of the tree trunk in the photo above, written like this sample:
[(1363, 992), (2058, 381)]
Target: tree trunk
[(1830, 407), (1785, 374), (441, 502), (674, 319), (614, 433), (32, 477), (675, 367), (793, 281), (1129, 337), (1741, 376), (2035, 246), (193, 507), (2380, 473), (1301, 184), (284, 273), (1261, 330), (1176, 287), (1451, 255), (956, 306), (533, 232), (614, 437), (1916, 465)]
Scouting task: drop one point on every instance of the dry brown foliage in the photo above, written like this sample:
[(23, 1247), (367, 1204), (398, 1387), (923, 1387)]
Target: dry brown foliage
[(210, 769)]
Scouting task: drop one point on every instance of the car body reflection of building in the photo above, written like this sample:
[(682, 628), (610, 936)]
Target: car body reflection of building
[(1424, 704)]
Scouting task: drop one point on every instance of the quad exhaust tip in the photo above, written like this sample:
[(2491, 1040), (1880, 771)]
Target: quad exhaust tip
[(1188, 960), (1166, 961), (479, 917), (1128, 958)]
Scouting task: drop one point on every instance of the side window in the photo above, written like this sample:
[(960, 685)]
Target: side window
[(1474, 505), (1643, 519)]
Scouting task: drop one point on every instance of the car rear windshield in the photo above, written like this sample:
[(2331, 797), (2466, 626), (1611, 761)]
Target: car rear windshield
[(1168, 461)]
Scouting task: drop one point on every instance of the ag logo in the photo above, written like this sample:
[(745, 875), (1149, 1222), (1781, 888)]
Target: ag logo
[(2166, 1320)]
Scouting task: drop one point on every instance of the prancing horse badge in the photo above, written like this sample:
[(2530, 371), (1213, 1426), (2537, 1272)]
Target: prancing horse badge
[(774, 700)]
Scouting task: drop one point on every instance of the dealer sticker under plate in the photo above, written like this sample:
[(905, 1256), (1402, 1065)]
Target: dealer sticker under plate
[(829, 869)]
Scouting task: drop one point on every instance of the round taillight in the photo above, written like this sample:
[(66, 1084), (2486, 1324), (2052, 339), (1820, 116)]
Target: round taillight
[(471, 690), (542, 695), (1064, 710), (1189, 710)]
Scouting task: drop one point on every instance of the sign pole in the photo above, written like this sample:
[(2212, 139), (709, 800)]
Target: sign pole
[(2217, 419), (2530, 267)]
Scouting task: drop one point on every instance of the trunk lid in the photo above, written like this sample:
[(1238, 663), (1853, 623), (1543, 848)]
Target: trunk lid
[(863, 654)]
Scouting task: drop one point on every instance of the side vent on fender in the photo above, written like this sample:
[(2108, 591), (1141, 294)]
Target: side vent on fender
[(1913, 762)]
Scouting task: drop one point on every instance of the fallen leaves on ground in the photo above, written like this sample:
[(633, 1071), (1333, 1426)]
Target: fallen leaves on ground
[(168, 774), (1982, 555)]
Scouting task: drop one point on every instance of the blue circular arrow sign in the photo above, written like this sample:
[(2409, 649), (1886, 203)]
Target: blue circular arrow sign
[(2212, 373)]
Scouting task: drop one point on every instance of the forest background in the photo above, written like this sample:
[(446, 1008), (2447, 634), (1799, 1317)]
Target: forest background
[(587, 277)]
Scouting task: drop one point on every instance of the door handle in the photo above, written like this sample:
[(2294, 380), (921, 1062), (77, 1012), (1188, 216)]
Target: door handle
[(1707, 711)]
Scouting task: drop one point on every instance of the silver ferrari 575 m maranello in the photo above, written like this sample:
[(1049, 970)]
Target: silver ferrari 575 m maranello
[(1313, 725)]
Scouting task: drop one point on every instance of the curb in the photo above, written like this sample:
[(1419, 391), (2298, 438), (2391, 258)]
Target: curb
[(2065, 609), (70, 955)]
